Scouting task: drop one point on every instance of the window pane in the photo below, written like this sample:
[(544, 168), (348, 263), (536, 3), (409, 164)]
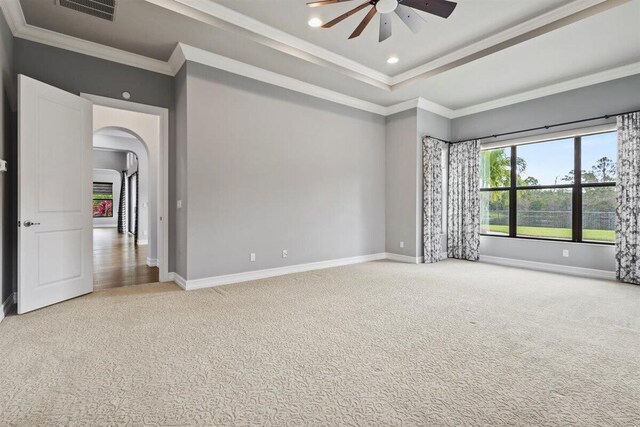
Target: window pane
[(545, 163), (598, 214), (545, 213), (495, 168), (599, 156), (494, 212), (102, 199)]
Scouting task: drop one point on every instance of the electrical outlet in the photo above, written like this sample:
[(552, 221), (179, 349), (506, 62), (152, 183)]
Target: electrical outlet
[(565, 253), (253, 257), (402, 244), (285, 253)]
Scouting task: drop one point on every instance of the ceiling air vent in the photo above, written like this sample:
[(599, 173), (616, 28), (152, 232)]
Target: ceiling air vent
[(103, 9)]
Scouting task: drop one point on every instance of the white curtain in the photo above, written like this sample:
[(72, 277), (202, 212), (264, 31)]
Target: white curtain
[(463, 216), (628, 199), (432, 201)]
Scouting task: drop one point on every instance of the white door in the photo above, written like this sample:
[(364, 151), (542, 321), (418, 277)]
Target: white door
[(55, 236)]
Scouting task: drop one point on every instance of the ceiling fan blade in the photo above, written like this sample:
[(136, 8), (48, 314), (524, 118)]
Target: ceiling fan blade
[(441, 8), (410, 18), (361, 26), (385, 27), (323, 2), (345, 15)]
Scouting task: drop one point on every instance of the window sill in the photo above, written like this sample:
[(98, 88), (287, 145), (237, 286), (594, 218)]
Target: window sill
[(542, 239)]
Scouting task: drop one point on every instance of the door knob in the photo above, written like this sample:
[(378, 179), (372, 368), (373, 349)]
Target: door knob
[(28, 223)]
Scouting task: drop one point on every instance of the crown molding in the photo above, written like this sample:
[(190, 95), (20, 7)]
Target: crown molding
[(17, 23), (184, 52), (220, 16), (576, 83), (554, 19), (421, 104), (402, 106), (201, 56), (21, 29)]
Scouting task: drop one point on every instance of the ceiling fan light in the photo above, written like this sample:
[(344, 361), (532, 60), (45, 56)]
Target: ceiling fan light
[(386, 6), (392, 60), (315, 22)]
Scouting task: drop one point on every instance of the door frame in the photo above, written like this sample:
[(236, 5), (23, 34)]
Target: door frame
[(162, 222)]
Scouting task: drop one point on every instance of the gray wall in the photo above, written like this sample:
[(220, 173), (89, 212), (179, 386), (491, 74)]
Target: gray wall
[(7, 152), (338, 171), (606, 98), (78, 73), (103, 159), (401, 179), (181, 173), (271, 169), (611, 97), (404, 193)]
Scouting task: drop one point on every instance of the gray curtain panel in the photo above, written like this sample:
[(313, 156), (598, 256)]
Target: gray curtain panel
[(432, 201), (122, 211), (628, 199), (463, 216)]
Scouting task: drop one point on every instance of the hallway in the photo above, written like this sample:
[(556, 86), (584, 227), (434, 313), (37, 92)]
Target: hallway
[(117, 262)]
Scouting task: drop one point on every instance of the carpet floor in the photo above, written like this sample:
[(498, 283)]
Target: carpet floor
[(381, 343)]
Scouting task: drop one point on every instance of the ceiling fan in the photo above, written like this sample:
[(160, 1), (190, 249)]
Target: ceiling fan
[(402, 8)]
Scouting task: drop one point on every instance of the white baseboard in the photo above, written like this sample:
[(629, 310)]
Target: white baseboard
[(6, 305), (105, 226), (152, 262), (404, 258), (179, 280), (227, 279), (553, 268)]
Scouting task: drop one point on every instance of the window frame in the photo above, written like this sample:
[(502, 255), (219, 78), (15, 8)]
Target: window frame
[(576, 187), (93, 199)]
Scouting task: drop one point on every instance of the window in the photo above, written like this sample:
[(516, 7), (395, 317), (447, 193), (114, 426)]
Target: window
[(533, 191), (102, 200), (495, 178)]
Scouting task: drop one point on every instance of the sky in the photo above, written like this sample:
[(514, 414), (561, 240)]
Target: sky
[(550, 161)]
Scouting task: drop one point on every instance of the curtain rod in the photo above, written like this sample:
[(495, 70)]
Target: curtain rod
[(606, 116)]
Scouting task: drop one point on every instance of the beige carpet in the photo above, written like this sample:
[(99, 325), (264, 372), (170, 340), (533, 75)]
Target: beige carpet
[(382, 343)]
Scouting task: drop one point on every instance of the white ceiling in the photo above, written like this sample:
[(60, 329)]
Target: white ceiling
[(471, 20), (597, 43)]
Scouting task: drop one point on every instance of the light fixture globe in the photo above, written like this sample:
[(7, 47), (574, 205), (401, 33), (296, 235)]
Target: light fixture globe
[(315, 22), (386, 6)]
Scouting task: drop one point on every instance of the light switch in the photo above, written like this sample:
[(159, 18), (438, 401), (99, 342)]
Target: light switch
[(3, 165), (179, 204)]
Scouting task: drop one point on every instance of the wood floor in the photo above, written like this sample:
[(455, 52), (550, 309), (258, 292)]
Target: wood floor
[(118, 262)]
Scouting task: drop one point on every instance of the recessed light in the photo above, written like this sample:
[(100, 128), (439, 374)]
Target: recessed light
[(392, 60), (315, 22), (126, 95)]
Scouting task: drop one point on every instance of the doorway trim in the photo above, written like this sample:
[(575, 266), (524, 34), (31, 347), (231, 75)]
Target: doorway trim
[(163, 171)]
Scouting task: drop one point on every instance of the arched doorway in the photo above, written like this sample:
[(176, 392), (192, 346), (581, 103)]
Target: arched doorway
[(121, 202)]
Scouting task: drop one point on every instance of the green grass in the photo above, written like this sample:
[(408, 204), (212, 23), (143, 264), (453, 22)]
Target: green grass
[(557, 233)]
